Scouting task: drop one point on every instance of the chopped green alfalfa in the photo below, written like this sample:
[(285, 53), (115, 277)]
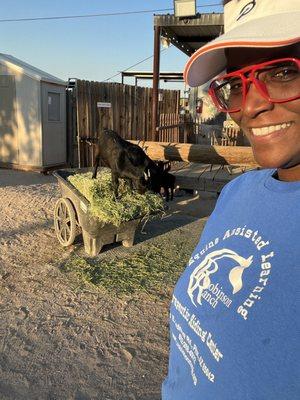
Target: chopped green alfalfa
[(103, 203)]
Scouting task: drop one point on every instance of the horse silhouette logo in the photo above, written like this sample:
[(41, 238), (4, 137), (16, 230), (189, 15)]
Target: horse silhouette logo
[(200, 277), (246, 9)]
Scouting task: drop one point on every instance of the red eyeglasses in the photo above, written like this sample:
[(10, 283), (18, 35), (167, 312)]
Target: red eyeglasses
[(278, 81)]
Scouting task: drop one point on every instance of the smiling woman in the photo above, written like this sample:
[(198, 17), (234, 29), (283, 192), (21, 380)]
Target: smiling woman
[(255, 226), (268, 106)]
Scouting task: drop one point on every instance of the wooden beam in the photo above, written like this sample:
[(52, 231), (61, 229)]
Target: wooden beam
[(204, 20), (227, 155), (156, 61)]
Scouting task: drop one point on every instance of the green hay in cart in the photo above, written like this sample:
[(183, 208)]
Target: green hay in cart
[(103, 203)]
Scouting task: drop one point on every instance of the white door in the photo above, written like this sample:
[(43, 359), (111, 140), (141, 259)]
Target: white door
[(54, 124)]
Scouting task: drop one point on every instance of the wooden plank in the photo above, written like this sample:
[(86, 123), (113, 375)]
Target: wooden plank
[(79, 121), (193, 170), (237, 155), (133, 104), (149, 110), (89, 123), (131, 132)]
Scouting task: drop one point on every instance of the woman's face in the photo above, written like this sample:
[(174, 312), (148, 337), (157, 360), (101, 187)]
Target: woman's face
[(281, 148)]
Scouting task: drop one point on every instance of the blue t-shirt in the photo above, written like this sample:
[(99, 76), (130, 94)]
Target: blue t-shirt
[(234, 323)]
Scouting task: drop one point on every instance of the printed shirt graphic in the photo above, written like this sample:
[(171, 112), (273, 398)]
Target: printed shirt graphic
[(234, 326)]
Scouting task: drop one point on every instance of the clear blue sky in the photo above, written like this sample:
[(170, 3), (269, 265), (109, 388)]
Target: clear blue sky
[(88, 48)]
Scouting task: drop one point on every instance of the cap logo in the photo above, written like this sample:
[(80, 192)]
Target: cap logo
[(246, 9)]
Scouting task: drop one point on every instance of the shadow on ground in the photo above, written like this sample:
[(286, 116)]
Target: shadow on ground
[(9, 177)]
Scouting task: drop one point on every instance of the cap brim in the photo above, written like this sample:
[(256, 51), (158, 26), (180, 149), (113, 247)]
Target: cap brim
[(272, 31)]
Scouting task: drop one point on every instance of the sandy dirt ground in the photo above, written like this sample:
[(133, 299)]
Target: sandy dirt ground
[(57, 342)]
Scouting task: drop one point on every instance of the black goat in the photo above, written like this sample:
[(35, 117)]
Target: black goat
[(126, 160), (166, 180)]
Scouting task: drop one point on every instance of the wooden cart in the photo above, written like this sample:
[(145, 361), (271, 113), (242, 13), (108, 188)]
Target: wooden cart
[(71, 212)]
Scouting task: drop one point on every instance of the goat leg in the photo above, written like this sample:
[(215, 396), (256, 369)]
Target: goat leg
[(96, 165), (172, 191), (115, 183), (166, 190)]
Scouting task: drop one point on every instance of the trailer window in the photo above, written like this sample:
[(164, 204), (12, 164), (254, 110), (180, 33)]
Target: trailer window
[(53, 106)]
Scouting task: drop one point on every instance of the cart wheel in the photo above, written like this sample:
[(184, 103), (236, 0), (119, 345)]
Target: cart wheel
[(65, 222)]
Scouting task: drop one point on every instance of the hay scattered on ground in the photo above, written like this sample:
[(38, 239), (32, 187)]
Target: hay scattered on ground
[(153, 269), (103, 203)]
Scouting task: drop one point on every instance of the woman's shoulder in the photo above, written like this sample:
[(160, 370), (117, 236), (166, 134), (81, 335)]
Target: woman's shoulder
[(255, 175), (246, 181)]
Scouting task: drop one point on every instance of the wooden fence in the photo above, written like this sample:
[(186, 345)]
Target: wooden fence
[(176, 128), (230, 137), (130, 114), (169, 125)]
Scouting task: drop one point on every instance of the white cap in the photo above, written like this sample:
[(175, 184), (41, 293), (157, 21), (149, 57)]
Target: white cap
[(247, 23)]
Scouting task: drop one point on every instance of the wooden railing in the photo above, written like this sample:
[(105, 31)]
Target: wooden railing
[(176, 128), (230, 137)]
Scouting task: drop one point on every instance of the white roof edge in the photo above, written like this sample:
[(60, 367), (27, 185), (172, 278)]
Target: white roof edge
[(29, 70)]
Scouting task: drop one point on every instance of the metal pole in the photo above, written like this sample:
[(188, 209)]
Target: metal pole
[(156, 60)]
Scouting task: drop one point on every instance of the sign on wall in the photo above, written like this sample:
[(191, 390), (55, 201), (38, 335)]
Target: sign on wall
[(103, 105)]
